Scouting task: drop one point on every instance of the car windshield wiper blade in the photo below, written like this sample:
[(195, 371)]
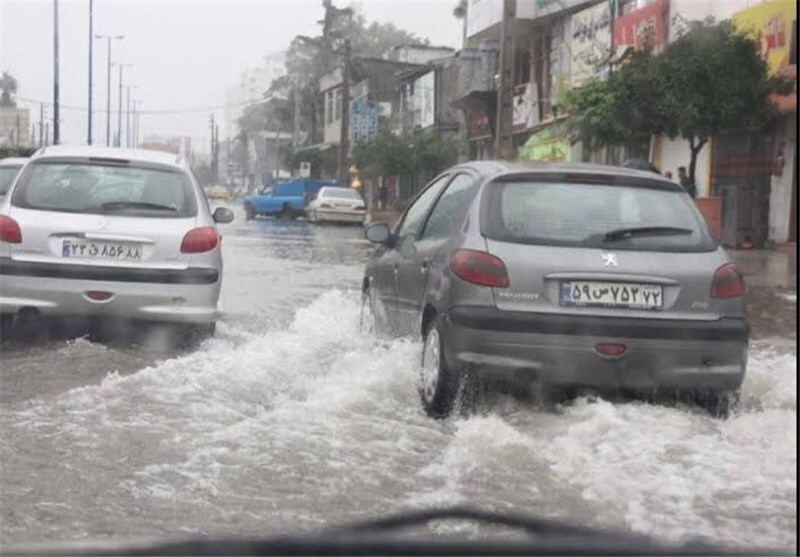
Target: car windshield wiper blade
[(112, 205), (624, 233)]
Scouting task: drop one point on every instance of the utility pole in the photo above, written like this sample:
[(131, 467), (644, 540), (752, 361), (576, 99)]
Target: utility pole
[(47, 133), (344, 139), (41, 125), (119, 104), (108, 88), (91, 67), (216, 153), (213, 151), (128, 141), (56, 126), (504, 143)]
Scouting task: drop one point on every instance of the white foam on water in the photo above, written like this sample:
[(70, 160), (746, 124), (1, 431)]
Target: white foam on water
[(314, 423)]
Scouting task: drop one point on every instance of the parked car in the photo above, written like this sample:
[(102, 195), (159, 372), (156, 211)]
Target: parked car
[(571, 276), (103, 232), (9, 168), (285, 199), (337, 205)]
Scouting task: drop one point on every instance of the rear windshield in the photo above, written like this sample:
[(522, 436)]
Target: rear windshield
[(106, 189), (7, 175), (341, 193), (594, 215)]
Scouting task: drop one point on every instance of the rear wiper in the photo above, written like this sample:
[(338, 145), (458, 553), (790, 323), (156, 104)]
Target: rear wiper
[(112, 205), (624, 233)]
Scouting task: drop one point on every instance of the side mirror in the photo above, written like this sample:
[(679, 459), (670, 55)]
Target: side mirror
[(378, 233), (222, 215)]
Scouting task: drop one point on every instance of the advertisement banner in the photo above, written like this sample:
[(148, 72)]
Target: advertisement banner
[(363, 121), (770, 24), (643, 28), (590, 43), (526, 107)]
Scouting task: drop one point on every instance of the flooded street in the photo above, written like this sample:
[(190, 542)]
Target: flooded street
[(290, 420)]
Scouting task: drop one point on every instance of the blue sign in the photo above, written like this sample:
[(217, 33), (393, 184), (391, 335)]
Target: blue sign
[(363, 121)]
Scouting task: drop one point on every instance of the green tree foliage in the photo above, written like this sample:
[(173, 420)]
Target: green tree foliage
[(309, 58), (710, 80), (8, 86), (424, 155)]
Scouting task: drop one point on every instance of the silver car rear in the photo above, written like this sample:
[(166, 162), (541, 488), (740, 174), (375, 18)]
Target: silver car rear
[(109, 232), (570, 275)]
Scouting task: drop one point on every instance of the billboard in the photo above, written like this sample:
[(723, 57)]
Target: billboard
[(643, 28), (363, 121), (590, 43), (526, 107), (770, 24)]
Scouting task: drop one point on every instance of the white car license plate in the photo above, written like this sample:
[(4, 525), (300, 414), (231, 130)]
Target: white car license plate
[(612, 294), (117, 251)]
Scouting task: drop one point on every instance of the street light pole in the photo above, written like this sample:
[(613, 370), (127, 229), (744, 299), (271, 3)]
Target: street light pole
[(119, 113), (91, 66), (128, 140), (108, 89), (56, 127)]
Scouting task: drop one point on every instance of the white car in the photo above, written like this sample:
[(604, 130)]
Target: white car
[(9, 168), (116, 233), (337, 204)]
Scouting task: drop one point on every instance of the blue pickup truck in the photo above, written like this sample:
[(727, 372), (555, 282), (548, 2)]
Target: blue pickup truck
[(285, 199)]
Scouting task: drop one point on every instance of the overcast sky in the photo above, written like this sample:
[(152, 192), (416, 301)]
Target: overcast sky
[(185, 53)]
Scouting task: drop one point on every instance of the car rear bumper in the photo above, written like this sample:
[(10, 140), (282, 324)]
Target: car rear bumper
[(340, 216), (180, 296), (560, 349)]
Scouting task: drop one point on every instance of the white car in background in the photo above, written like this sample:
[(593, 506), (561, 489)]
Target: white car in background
[(110, 233), (337, 204), (9, 168)]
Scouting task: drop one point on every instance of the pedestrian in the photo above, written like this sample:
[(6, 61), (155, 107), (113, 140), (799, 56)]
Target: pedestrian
[(686, 182), (382, 196), (668, 175)]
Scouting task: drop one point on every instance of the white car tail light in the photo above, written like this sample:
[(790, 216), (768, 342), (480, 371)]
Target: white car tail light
[(9, 230), (200, 240)]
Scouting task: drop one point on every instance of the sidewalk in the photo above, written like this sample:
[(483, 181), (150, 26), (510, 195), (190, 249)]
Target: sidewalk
[(767, 268)]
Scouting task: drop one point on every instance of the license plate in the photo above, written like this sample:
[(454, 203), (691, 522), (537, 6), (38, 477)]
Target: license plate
[(612, 294), (117, 251)]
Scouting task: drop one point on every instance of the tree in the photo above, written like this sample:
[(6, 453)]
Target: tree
[(710, 80), (8, 85)]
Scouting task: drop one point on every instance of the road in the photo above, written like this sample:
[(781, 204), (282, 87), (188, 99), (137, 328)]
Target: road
[(289, 420)]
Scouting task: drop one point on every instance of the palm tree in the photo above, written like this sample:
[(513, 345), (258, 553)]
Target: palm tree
[(9, 87)]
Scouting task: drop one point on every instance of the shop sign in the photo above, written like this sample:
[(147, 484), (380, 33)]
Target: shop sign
[(643, 28), (590, 43), (770, 24)]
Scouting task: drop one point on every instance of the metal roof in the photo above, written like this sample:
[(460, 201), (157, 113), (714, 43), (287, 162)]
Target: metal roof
[(86, 151)]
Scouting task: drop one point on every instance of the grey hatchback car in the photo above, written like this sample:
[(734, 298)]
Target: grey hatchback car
[(567, 276)]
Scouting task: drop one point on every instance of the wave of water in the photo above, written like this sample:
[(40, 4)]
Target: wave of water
[(311, 424)]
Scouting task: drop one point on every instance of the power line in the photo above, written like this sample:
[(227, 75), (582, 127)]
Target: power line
[(163, 111)]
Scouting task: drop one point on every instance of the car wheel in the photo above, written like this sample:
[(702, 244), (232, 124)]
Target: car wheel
[(249, 212), (719, 404), (438, 385), (286, 213)]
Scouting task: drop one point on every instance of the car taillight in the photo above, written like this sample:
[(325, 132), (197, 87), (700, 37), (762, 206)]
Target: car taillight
[(200, 240), (479, 268), (361, 208), (9, 230), (728, 282)]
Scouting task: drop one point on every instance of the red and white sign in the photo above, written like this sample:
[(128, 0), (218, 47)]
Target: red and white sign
[(643, 28)]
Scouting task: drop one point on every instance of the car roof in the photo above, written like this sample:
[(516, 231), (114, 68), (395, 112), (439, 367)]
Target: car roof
[(13, 161), (501, 168), (96, 151)]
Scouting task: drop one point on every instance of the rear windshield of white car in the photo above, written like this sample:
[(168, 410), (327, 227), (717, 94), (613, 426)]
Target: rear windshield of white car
[(342, 193), (594, 215), (7, 175), (119, 189)]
